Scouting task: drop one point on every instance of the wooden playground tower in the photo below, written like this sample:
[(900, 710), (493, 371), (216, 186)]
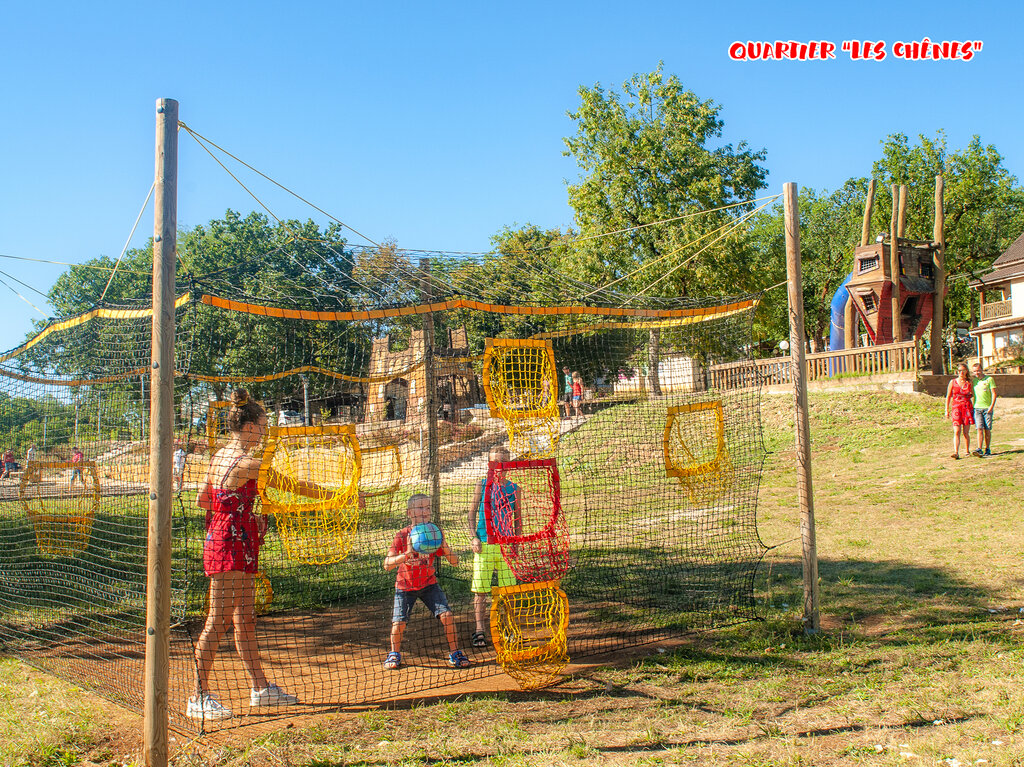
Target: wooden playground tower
[(897, 285)]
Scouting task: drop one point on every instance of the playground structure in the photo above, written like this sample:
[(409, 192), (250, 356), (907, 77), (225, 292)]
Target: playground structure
[(896, 284)]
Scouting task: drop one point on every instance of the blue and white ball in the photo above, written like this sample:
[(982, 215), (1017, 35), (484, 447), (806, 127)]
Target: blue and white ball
[(426, 538)]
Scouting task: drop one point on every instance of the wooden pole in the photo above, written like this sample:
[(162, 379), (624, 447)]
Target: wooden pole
[(869, 203), (894, 265), (901, 227), (939, 267), (805, 490), (161, 437), (430, 396), (851, 319)]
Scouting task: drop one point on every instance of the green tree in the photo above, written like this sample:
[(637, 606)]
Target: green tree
[(648, 154), (984, 205), (290, 264)]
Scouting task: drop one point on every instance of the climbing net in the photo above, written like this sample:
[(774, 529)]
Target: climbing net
[(592, 459)]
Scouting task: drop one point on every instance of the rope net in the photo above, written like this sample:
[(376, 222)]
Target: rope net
[(628, 428)]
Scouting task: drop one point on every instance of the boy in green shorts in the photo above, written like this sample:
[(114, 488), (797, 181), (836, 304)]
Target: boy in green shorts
[(487, 560), (984, 404)]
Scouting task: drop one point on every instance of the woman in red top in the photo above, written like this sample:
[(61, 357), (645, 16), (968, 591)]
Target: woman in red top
[(960, 407), (231, 558)]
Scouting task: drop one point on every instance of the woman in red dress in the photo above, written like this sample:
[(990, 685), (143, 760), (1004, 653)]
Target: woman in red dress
[(231, 559), (960, 407)]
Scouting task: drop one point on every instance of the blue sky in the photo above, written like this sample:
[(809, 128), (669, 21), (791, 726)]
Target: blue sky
[(436, 124)]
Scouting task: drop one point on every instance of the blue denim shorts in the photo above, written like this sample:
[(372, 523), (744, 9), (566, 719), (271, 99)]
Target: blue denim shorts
[(983, 418), (432, 596)]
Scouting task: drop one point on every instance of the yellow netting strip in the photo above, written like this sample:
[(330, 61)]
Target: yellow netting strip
[(380, 478), (695, 450), (520, 382), (61, 518), (309, 481), (529, 626)]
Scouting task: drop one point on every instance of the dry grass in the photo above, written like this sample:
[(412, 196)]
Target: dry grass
[(919, 661)]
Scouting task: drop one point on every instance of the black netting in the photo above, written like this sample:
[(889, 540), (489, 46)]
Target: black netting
[(622, 494)]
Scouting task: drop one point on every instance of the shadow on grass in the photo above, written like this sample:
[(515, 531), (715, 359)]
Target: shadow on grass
[(867, 593)]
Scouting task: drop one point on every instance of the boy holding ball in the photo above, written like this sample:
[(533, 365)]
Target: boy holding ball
[(418, 580)]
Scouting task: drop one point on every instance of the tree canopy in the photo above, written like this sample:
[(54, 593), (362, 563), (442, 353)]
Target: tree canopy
[(647, 154)]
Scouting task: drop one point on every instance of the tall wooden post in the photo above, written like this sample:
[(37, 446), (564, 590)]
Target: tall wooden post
[(939, 267), (901, 225), (430, 396), (869, 203), (805, 490), (894, 265), (851, 318), (161, 437)]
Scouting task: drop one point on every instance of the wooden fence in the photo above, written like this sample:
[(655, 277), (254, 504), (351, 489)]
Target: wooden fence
[(867, 360)]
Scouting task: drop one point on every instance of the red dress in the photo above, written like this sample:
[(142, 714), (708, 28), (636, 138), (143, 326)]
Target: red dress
[(233, 534), (963, 408)]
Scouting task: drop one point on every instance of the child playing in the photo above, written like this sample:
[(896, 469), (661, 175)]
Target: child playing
[(487, 559), (234, 533), (77, 456), (180, 457), (418, 580), (577, 394)]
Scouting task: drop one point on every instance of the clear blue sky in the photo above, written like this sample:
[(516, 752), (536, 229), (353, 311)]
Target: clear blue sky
[(437, 124)]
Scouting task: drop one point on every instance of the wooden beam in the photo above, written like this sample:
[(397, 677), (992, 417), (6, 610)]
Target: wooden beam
[(901, 227), (161, 438), (430, 396), (869, 203), (939, 269), (798, 362), (894, 265)]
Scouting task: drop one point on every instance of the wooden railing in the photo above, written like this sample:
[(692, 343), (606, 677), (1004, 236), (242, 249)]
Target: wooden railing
[(996, 309), (867, 360)]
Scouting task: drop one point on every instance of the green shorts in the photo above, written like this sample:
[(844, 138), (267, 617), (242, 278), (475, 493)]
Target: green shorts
[(485, 564)]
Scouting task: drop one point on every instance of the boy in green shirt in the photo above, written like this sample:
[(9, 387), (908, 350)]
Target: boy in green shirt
[(984, 403)]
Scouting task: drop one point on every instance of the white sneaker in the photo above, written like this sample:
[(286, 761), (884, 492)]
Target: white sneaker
[(271, 695), (206, 707)]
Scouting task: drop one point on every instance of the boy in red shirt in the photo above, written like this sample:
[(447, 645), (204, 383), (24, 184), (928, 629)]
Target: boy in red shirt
[(418, 580)]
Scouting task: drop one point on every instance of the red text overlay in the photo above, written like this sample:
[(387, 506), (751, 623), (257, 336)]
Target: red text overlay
[(856, 50)]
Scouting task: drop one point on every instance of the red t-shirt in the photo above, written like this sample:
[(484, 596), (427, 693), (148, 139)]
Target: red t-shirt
[(418, 572), (76, 457)]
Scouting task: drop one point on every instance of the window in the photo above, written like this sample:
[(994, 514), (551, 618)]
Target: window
[(927, 269), (869, 301), (867, 264)]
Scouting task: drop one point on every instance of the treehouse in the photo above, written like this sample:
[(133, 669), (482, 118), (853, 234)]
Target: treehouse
[(871, 288)]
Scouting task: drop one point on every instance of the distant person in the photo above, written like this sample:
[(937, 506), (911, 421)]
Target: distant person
[(231, 552), (568, 391), (960, 408), (180, 457), (984, 406), (30, 454), (8, 464), (417, 580), (488, 562), (76, 467), (577, 394)]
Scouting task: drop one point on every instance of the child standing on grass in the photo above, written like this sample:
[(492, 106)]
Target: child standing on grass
[(231, 552), (577, 394), (984, 405), (76, 466), (960, 408), (417, 579), (488, 561)]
